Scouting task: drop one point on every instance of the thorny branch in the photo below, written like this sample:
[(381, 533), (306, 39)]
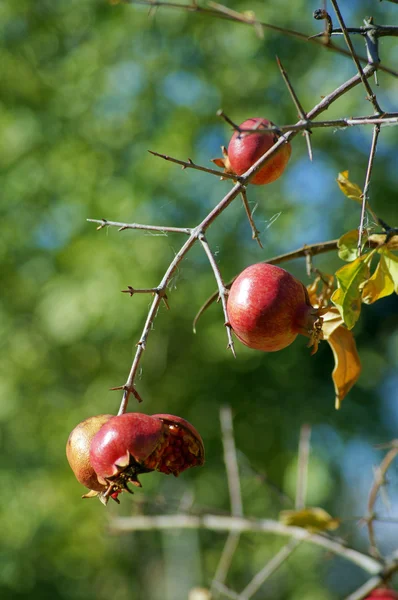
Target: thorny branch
[(223, 12), (365, 195)]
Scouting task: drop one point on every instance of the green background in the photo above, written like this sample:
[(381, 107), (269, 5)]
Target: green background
[(86, 89)]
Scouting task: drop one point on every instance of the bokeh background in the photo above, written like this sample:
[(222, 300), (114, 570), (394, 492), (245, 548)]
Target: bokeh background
[(87, 89)]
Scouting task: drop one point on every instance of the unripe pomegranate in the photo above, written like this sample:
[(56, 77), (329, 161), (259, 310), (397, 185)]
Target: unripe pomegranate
[(268, 307), (382, 594), (134, 443), (78, 451), (246, 148)]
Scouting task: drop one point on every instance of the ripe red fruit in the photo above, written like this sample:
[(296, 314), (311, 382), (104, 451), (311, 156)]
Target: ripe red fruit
[(268, 307), (382, 594), (246, 148), (78, 451), (133, 443)]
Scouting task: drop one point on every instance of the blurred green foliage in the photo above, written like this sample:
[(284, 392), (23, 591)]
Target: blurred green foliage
[(87, 88)]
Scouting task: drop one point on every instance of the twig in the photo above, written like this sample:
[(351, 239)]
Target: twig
[(302, 471), (255, 231), (122, 226), (379, 481), (231, 467), (365, 194), (268, 569), (371, 96), (191, 165), (221, 290), (240, 524), (236, 17), (297, 103)]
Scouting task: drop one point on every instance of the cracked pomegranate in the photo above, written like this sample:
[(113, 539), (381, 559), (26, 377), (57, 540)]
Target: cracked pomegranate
[(268, 307), (245, 149)]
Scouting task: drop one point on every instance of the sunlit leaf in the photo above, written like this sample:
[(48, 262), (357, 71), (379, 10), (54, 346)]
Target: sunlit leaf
[(380, 284), (351, 190), (313, 519), (331, 321), (347, 365), (391, 262), (348, 245), (347, 297)]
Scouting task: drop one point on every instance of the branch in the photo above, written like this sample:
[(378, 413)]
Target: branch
[(302, 471), (200, 230), (244, 525)]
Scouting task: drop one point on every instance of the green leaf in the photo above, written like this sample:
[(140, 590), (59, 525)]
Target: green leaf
[(391, 261), (380, 284), (347, 298), (348, 245), (349, 189)]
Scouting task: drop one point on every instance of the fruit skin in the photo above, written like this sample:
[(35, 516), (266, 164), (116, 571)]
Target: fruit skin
[(268, 307), (382, 594), (134, 443), (78, 451), (245, 149)]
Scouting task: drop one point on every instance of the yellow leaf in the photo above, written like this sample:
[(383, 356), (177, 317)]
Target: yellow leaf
[(391, 261), (313, 519), (347, 366), (379, 285), (347, 297), (351, 190)]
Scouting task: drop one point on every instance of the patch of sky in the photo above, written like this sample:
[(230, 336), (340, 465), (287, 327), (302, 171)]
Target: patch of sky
[(185, 89), (60, 224), (357, 467), (123, 83), (389, 412)]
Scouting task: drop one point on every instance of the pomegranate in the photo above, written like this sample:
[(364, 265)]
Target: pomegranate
[(245, 149), (382, 594), (268, 307), (133, 443)]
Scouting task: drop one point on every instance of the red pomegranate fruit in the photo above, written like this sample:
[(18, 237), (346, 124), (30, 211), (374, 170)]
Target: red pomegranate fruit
[(133, 443), (245, 149), (382, 594), (268, 307)]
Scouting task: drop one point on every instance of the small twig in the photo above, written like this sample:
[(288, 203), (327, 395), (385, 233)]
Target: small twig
[(379, 481), (302, 471), (365, 194), (122, 226), (270, 568), (235, 127), (297, 104), (221, 290), (249, 213), (191, 165), (371, 96)]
